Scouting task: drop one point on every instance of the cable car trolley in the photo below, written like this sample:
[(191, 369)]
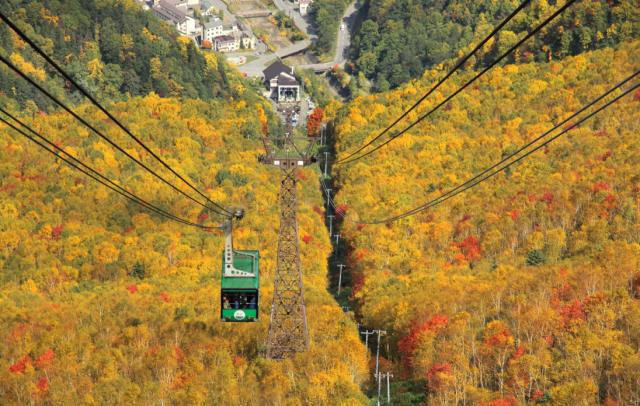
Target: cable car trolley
[(240, 279)]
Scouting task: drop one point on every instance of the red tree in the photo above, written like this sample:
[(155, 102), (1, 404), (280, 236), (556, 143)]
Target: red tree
[(45, 359), (470, 248), (408, 344), (56, 232), (20, 365), (43, 384), (436, 375), (314, 121)]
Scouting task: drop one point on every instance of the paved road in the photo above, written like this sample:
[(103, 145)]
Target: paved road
[(303, 23), (255, 68), (343, 41)]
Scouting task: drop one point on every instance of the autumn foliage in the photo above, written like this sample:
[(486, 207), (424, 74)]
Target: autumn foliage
[(530, 280), (103, 302), (314, 121)]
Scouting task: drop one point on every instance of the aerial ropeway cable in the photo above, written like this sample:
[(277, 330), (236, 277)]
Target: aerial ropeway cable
[(76, 163), (497, 168), (351, 159), (104, 137), (457, 67), (220, 209)]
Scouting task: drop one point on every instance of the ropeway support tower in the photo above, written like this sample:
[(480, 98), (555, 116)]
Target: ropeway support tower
[(288, 333)]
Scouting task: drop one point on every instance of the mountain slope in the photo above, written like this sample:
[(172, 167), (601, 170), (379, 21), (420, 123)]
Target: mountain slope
[(399, 39), (524, 289), (101, 302), (112, 47)]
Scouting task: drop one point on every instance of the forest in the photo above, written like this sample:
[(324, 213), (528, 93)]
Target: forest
[(523, 290), (526, 288), (112, 47), (398, 40), (102, 302), (98, 292), (326, 16)]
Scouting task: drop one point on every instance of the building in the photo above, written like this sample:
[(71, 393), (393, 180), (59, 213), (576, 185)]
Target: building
[(207, 8), (230, 29), (167, 11), (215, 29), (248, 41), (212, 29), (281, 82), (304, 7), (226, 43), (185, 5)]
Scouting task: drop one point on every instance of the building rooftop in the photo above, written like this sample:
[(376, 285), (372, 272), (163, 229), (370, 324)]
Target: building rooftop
[(168, 11), (224, 38), (284, 79), (213, 24), (275, 69)]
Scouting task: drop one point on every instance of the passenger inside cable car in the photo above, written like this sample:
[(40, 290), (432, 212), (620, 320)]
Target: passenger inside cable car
[(244, 301)]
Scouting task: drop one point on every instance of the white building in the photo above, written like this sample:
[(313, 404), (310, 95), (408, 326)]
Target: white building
[(230, 29), (212, 29), (186, 25), (304, 7), (226, 43), (281, 82), (248, 41)]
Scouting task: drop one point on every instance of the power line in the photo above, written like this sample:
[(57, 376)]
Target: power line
[(104, 137), (94, 174), (441, 81), (472, 183), (467, 84), (330, 200), (104, 110)]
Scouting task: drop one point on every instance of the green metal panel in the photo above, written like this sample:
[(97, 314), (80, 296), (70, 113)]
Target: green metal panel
[(244, 260), (239, 315)]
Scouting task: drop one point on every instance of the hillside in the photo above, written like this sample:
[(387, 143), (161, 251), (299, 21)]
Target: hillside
[(103, 303), (113, 48), (397, 40), (525, 289)]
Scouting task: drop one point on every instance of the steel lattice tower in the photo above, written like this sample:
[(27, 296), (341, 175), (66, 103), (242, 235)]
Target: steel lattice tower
[(288, 332)]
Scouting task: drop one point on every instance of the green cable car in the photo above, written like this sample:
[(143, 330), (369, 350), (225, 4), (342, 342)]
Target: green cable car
[(240, 280)]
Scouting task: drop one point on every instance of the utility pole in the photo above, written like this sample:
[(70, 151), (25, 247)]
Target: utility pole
[(378, 350), (330, 216), (326, 160), (366, 337), (379, 377), (328, 192), (288, 332), (341, 266), (337, 240), (389, 376)]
